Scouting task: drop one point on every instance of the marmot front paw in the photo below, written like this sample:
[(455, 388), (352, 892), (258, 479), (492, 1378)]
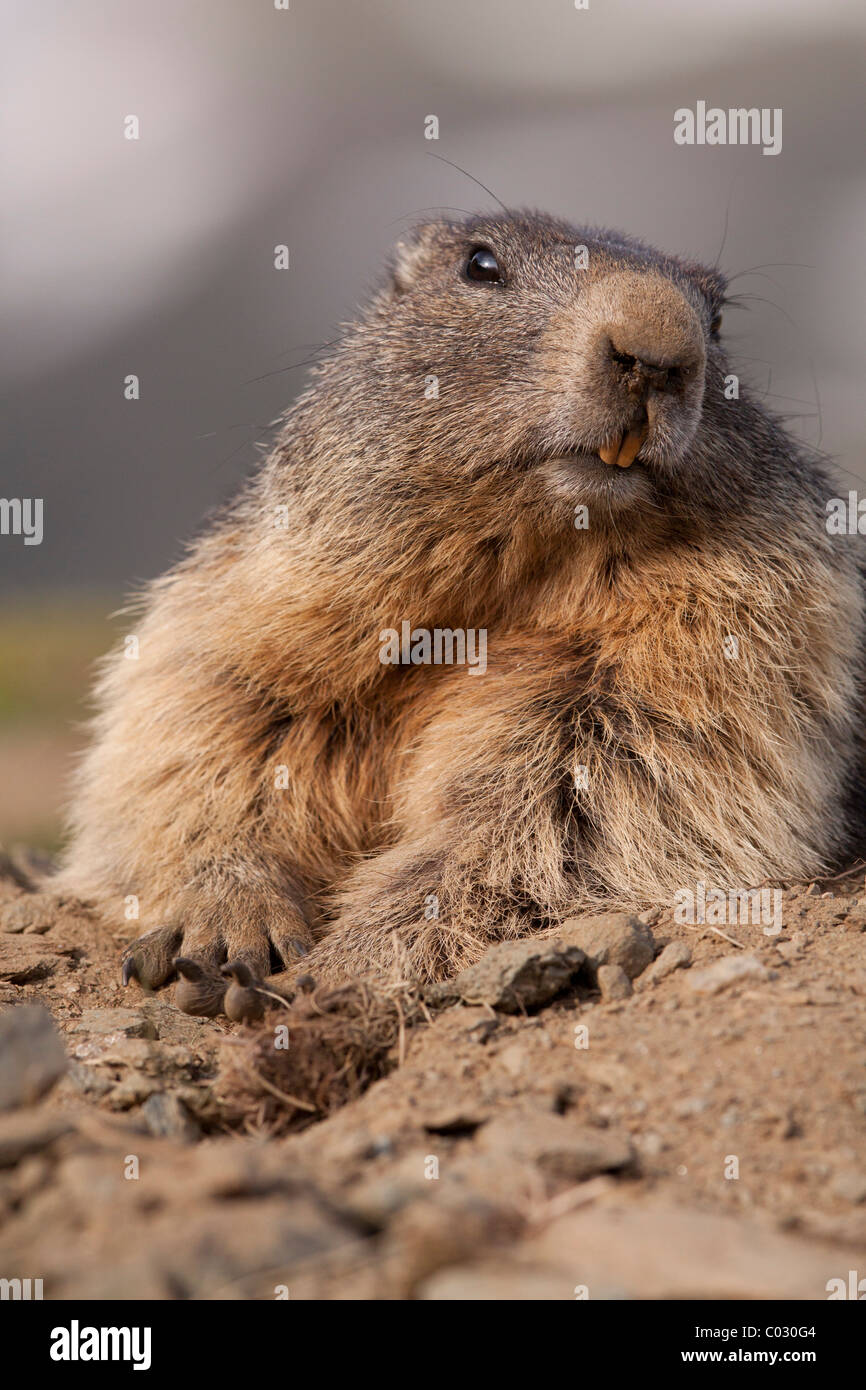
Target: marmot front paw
[(196, 953)]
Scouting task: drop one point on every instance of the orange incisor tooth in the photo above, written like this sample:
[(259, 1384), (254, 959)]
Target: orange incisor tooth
[(610, 452), (630, 446), (623, 450)]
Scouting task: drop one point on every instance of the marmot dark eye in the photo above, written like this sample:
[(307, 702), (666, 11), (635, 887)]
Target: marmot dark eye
[(483, 265), (716, 325)]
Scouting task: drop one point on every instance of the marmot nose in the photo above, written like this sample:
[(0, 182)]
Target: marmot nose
[(638, 376), (651, 339), (646, 356)]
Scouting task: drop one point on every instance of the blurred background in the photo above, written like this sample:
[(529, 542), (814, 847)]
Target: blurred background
[(261, 126)]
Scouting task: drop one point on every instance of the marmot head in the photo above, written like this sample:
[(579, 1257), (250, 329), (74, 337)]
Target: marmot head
[(518, 363)]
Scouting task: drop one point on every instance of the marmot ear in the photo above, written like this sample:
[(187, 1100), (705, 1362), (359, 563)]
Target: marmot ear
[(409, 255)]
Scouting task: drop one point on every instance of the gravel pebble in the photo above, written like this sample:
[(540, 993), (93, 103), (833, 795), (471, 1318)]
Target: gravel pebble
[(851, 1187), (165, 1114), (32, 1055), (675, 956), (518, 975), (610, 938), (613, 982), (725, 972), (127, 1023)]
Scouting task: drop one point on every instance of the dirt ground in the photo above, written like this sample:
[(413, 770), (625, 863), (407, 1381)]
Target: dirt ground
[(690, 1128)]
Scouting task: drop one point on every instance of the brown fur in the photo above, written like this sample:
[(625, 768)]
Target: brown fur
[(605, 646)]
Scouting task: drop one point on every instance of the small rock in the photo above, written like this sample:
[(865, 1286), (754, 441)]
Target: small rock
[(726, 972), (28, 1132), (32, 912), (851, 1187), (23, 960), (675, 956), (813, 891), (166, 1115), (513, 1059), (132, 1090), (517, 975), (32, 1055), (564, 1151), (125, 1023), (650, 916), (172, 1026), (89, 1080), (115, 1051), (613, 982), (651, 1144), (610, 938)]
